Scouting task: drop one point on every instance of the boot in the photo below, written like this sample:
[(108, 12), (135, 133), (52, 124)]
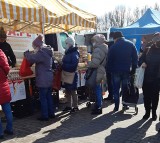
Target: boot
[(154, 116), (147, 115), (96, 111)]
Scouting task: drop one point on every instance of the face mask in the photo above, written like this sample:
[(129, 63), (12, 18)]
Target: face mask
[(34, 47), (94, 43), (36, 50), (67, 46)]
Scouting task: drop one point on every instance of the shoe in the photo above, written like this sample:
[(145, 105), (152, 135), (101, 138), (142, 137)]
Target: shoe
[(52, 116), (108, 98), (8, 132), (154, 118), (42, 119), (125, 107), (96, 111), (115, 109), (67, 109), (146, 116), (1, 137), (74, 110)]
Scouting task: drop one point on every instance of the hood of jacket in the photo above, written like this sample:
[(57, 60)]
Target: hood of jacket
[(47, 49), (103, 47)]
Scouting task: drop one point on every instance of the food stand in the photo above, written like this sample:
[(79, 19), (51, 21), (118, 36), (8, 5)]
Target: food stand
[(34, 17)]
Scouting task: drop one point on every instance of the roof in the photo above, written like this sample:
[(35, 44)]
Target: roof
[(54, 15), (149, 23)]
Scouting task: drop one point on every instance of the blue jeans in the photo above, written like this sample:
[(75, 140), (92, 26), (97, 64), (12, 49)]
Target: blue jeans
[(46, 100), (120, 80), (98, 91), (8, 113)]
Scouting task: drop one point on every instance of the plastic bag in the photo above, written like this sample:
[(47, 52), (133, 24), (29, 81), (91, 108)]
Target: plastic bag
[(25, 68), (139, 77)]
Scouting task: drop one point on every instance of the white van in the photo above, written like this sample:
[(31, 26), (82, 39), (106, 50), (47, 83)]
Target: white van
[(20, 42)]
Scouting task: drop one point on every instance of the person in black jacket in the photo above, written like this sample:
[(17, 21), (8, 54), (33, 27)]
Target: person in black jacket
[(151, 84), (6, 48), (109, 80)]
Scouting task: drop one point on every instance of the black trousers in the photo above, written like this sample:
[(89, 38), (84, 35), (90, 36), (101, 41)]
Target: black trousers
[(110, 85), (151, 96)]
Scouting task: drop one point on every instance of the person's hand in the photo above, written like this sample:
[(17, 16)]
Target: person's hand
[(25, 52), (132, 72), (144, 65)]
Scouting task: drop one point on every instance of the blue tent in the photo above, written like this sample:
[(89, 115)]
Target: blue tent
[(149, 23)]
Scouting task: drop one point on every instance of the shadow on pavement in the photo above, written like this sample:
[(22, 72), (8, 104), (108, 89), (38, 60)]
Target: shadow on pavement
[(82, 124), (128, 134)]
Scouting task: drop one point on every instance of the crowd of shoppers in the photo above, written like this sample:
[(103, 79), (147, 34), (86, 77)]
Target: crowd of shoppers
[(117, 60)]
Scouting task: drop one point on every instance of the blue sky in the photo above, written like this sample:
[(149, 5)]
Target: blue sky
[(99, 7)]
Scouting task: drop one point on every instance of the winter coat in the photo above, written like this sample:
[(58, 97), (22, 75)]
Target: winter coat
[(152, 58), (70, 64), (6, 48), (5, 95), (43, 66), (98, 61), (122, 56)]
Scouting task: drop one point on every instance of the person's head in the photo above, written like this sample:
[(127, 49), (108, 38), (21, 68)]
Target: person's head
[(3, 35), (111, 34), (98, 39), (156, 39), (37, 43), (70, 42), (117, 35)]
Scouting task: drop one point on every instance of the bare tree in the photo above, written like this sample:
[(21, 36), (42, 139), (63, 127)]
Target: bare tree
[(156, 6), (121, 16), (129, 17), (136, 13)]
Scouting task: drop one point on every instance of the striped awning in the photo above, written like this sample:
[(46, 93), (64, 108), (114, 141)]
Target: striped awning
[(67, 17), (51, 15)]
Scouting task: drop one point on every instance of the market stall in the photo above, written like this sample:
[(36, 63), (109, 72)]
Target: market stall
[(43, 16)]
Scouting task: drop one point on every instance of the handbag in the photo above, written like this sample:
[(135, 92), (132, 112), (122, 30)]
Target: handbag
[(25, 68), (67, 77), (57, 78), (90, 77), (139, 77)]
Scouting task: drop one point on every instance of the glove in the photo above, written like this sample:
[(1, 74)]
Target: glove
[(25, 52)]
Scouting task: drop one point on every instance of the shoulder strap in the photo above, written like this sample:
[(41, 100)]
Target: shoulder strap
[(102, 60)]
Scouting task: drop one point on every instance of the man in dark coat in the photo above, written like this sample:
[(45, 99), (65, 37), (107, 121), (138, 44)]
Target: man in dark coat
[(121, 57)]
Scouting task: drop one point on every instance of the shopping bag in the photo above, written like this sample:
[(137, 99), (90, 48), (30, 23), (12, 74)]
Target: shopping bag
[(25, 68), (67, 77), (139, 77), (90, 77), (57, 78)]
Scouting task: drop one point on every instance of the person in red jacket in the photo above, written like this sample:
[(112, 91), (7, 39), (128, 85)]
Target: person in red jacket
[(5, 95)]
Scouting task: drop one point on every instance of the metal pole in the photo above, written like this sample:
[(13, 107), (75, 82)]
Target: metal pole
[(43, 21)]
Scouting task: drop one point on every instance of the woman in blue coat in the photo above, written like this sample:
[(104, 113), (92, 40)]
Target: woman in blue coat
[(69, 66)]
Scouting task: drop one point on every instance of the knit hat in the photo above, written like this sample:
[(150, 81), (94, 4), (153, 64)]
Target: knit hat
[(2, 33), (70, 41), (38, 42), (117, 34)]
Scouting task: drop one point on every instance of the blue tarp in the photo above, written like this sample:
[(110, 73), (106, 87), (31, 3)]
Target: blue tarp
[(149, 23)]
